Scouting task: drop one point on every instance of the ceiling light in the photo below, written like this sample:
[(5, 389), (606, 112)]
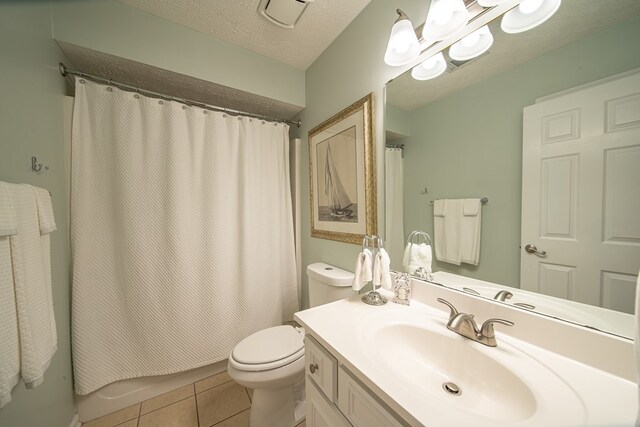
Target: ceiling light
[(528, 14), (403, 46), (475, 44), (430, 68), (445, 18)]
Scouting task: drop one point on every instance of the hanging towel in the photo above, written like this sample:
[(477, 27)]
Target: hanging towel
[(45, 210), (381, 272), (448, 230), (30, 257), (405, 257), (471, 224), (9, 341), (363, 273)]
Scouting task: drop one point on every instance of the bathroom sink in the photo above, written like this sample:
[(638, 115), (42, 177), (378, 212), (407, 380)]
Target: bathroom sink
[(493, 385)]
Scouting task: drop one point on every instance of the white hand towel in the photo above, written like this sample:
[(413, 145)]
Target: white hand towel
[(470, 233), (447, 232), (363, 272), (31, 262), (45, 210), (420, 256), (381, 272)]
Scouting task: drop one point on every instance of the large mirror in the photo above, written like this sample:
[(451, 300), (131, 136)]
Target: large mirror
[(461, 136)]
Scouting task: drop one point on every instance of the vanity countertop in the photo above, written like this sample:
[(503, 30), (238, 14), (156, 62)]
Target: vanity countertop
[(565, 392)]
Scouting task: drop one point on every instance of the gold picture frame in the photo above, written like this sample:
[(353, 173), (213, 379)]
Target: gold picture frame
[(342, 175)]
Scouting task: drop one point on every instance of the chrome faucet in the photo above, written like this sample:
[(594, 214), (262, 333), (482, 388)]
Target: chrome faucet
[(503, 295), (464, 324)]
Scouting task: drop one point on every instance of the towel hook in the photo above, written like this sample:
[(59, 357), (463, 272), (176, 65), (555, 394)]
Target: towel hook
[(416, 236), (425, 191), (37, 167)]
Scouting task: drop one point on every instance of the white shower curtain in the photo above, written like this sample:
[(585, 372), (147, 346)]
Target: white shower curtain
[(394, 225), (182, 234)]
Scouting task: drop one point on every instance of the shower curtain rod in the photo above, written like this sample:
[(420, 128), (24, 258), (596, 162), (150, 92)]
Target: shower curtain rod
[(65, 72)]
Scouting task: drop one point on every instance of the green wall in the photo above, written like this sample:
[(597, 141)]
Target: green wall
[(31, 125), (346, 71), (470, 143), (114, 28)]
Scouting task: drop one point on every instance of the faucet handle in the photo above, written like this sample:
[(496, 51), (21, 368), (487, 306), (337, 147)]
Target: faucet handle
[(503, 295), (487, 327), (454, 311)]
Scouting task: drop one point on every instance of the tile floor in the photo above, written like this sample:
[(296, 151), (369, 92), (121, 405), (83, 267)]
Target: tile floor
[(215, 401)]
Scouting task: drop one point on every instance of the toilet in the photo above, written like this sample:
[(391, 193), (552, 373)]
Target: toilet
[(271, 361)]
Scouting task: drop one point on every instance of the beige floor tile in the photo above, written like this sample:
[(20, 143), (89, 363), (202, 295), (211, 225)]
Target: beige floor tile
[(221, 402), (166, 399), (115, 418), (132, 423), (212, 381), (180, 414), (240, 420)]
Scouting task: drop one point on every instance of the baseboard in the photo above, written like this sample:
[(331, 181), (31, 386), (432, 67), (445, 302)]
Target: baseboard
[(75, 421)]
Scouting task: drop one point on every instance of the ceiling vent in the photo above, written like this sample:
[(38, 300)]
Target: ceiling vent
[(283, 13)]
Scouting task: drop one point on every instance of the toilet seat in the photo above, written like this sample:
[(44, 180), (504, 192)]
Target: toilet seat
[(268, 349)]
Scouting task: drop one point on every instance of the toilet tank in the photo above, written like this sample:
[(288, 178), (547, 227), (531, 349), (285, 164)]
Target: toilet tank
[(328, 283)]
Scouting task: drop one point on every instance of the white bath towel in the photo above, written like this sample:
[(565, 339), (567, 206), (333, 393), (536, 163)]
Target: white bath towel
[(364, 270), (45, 210), (30, 258), (448, 230), (470, 233), (9, 341), (381, 271)]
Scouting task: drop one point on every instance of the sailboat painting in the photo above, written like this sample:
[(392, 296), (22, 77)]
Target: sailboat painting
[(342, 181), (337, 189)]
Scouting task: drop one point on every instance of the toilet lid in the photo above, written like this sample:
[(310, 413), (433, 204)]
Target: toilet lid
[(269, 345)]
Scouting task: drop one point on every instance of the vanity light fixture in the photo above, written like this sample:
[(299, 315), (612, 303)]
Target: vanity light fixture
[(475, 44), (403, 46), (430, 68), (528, 14), (445, 18)]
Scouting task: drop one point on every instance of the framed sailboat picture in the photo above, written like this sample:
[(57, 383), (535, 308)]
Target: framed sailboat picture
[(342, 175)]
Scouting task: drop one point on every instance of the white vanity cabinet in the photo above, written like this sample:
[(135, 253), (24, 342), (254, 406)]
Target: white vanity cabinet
[(335, 398)]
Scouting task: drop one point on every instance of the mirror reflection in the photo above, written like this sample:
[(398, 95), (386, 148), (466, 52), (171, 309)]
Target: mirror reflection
[(545, 126)]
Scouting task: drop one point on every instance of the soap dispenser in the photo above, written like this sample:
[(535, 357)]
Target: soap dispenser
[(402, 289)]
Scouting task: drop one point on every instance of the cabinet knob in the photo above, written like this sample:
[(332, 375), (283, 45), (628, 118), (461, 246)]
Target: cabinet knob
[(313, 368)]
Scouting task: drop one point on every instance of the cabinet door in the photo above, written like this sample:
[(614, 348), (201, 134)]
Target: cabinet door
[(322, 367), (321, 413), (359, 406)]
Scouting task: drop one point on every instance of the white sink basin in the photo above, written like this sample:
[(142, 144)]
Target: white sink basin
[(498, 385)]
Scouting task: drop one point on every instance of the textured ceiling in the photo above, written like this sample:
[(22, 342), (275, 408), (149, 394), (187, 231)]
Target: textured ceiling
[(173, 84), (574, 20), (239, 22)]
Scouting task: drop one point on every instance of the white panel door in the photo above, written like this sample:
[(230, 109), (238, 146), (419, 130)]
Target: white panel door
[(581, 194)]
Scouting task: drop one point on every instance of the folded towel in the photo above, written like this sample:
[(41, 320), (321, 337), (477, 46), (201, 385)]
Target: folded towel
[(9, 339), (448, 231), (470, 233), (439, 207), (421, 256), (45, 210), (381, 272), (8, 224), (363, 273), (31, 264)]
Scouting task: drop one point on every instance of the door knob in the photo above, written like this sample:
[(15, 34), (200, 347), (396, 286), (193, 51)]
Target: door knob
[(533, 250)]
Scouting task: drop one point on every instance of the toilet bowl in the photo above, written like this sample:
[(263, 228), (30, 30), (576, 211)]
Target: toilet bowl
[(271, 361)]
